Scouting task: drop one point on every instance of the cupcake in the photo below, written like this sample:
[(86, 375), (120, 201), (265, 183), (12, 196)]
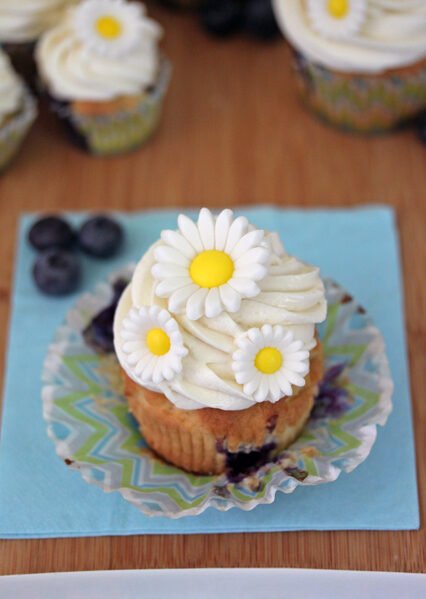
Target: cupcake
[(216, 339), (361, 64), (17, 111), (21, 24), (104, 74)]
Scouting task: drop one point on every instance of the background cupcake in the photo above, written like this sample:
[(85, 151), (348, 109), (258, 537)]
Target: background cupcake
[(103, 71), (17, 111), (361, 64), (21, 24)]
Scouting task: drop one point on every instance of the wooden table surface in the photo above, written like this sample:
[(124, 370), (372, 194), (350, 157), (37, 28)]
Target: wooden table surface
[(233, 133)]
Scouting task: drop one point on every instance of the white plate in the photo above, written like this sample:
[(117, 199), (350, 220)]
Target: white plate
[(216, 584)]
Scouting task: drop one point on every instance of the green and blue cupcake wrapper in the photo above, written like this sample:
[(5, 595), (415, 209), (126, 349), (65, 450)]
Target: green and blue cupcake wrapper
[(122, 131), (88, 419), (364, 103), (15, 129)]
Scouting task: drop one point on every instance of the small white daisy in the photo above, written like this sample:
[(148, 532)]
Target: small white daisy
[(337, 19), (113, 28), (153, 344), (210, 266), (268, 362)]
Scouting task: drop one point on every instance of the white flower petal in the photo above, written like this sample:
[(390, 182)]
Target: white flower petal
[(178, 242), (179, 298), (284, 384), (213, 303), (274, 388), (195, 304), (256, 272), (253, 385), (143, 362), (244, 287), (247, 242), (168, 271), (190, 231), (206, 228), (146, 374), (166, 254), (236, 231), (257, 255), (230, 298), (263, 390), (293, 377), (223, 222), (168, 286)]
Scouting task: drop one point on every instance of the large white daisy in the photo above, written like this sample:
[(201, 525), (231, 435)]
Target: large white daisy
[(337, 19), (153, 344), (112, 27), (210, 266), (268, 362)]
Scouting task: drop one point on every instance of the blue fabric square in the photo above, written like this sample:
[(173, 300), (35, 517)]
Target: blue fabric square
[(40, 497)]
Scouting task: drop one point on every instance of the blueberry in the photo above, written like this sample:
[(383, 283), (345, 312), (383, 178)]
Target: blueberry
[(421, 127), (221, 17), (100, 236), (56, 272), (51, 232), (99, 332), (259, 20)]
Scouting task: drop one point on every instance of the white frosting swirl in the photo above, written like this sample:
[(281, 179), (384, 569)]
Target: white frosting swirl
[(72, 72), (11, 88), (392, 36), (25, 20), (292, 294)]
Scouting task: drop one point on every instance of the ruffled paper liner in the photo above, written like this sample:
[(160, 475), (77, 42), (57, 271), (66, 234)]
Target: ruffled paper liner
[(88, 420), (116, 127), (14, 130), (365, 103)]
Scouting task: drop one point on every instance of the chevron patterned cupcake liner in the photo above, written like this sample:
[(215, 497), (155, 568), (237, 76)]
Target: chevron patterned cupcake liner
[(93, 432), (362, 103), (12, 133)]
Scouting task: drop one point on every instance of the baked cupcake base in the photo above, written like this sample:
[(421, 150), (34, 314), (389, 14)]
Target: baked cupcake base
[(361, 102), (117, 126), (213, 441)]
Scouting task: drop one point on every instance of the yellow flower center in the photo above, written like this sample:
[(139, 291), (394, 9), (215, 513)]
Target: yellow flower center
[(211, 268), (338, 8), (158, 342), (268, 360), (109, 27)]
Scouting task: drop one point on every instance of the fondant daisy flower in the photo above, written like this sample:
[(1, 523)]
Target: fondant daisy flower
[(337, 19), (112, 27), (268, 362), (210, 266), (153, 344)]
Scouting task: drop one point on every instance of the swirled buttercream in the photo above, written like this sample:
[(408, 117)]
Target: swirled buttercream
[(72, 68), (291, 295), (392, 35), (26, 20)]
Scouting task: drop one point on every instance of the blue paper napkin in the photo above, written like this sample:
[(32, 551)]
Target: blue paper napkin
[(41, 497)]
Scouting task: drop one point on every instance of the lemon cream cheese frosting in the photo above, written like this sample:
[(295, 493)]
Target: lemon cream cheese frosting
[(101, 50), (26, 20), (11, 89), (218, 315), (361, 36)]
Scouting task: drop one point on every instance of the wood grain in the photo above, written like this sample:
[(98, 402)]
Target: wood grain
[(233, 133)]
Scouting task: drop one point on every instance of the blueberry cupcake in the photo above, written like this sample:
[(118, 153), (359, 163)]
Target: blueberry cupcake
[(103, 72), (21, 24), (216, 339), (361, 64), (17, 111)]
